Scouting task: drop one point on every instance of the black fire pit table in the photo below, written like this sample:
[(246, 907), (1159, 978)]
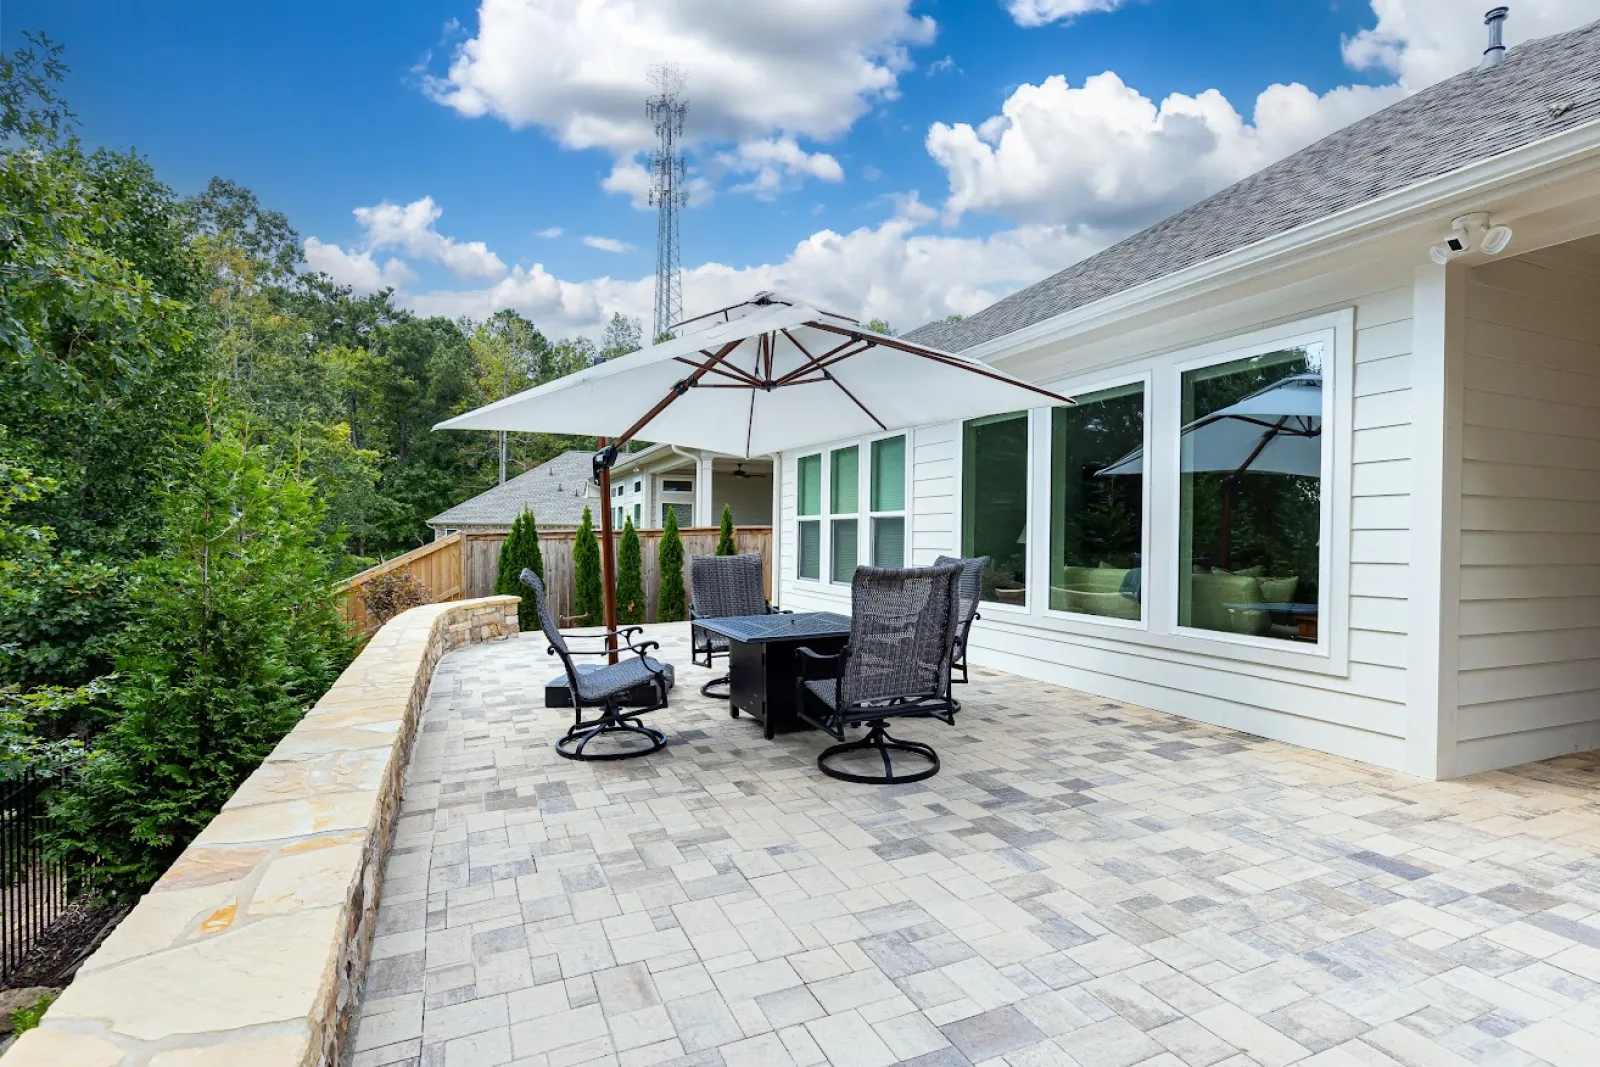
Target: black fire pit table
[(762, 664)]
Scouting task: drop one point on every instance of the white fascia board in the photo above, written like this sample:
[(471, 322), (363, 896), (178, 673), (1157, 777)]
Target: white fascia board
[(1531, 166)]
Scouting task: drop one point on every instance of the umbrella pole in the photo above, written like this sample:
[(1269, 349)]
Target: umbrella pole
[(608, 558)]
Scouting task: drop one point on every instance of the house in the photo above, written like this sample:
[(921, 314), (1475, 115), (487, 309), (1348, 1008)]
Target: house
[(1404, 566), (644, 484)]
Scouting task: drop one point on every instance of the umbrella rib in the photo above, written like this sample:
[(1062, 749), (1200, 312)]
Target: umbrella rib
[(727, 370), (834, 378), (812, 362), (676, 391), (939, 357)]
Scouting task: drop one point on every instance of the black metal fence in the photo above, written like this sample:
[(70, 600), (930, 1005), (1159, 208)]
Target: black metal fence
[(34, 890)]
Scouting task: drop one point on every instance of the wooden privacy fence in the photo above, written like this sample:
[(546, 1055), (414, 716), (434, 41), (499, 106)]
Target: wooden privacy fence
[(464, 565)]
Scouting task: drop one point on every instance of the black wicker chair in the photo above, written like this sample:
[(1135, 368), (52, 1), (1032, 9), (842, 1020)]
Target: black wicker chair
[(897, 665), (724, 587), (971, 589), (609, 688)]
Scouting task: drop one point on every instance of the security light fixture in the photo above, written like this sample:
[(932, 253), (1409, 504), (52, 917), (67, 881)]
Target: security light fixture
[(1469, 232)]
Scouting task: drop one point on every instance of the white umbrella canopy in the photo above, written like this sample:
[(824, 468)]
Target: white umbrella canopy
[(1275, 430), (760, 377)]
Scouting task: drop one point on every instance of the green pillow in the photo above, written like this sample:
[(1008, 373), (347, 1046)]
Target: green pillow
[(1279, 590)]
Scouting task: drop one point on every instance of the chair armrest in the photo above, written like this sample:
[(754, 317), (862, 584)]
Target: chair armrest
[(779, 611), (805, 657)]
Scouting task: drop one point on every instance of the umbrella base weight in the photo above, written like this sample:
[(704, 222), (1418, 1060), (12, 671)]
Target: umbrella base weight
[(557, 693)]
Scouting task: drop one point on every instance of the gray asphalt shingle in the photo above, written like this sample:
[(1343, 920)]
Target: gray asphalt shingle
[(556, 491)]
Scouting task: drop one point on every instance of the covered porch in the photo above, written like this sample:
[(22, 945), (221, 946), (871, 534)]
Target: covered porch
[(1086, 883)]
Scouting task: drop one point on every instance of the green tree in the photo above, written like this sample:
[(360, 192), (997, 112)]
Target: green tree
[(588, 598), (880, 326), (234, 637), (630, 577), (519, 552), (725, 545), (622, 335), (670, 605)]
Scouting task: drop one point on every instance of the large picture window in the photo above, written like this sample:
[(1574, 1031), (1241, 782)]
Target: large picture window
[(844, 504), (1250, 495), (888, 502), (808, 502), (994, 503), (1097, 504)]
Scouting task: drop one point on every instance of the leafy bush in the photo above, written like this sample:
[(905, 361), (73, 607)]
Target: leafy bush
[(25, 1019), (588, 599), (670, 605), (234, 635), (519, 552), (725, 545), (630, 577), (392, 592)]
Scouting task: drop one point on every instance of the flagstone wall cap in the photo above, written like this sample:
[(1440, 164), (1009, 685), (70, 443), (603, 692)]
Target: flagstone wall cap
[(250, 949), (1543, 87)]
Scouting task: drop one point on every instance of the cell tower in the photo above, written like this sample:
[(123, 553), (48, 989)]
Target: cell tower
[(667, 110)]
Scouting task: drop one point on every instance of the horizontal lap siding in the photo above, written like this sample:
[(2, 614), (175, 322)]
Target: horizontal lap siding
[(1530, 511)]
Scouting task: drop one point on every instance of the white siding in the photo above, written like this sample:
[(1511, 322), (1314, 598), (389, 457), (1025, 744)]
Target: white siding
[(1529, 667), (1358, 710), (749, 498)]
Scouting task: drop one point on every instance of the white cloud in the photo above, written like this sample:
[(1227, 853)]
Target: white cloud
[(1042, 12), (776, 164), (580, 70), (630, 178), (608, 244), (1425, 41), (1105, 155), (550, 232), (410, 229), (357, 269), (946, 65)]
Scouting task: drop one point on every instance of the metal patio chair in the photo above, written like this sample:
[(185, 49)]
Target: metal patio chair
[(971, 588), (896, 665), (611, 688), (723, 587)]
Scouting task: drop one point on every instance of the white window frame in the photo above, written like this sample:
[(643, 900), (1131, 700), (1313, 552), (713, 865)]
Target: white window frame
[(831, 516), (1038, 421), (869, 516), (1044, 520), (820, 518)]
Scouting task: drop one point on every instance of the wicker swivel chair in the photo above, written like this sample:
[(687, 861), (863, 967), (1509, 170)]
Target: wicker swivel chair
[(724, 587), (971, 589), (897, 665), (609, 688)]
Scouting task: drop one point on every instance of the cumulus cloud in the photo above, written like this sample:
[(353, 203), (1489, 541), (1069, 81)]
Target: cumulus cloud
[(1042, 12), (1424, 41), (410, 229), (608, 244), (775, 164), (359, 270), (1106, 155), (798, 67)]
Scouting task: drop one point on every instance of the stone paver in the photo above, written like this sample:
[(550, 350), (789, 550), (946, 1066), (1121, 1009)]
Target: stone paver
[(1086, 884)]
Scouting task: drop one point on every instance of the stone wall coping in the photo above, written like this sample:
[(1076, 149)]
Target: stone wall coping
[(249, 951)]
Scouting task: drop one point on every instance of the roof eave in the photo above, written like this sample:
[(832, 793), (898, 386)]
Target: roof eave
[(1534, 163)]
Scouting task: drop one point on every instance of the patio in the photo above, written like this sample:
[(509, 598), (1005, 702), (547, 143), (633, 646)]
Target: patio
[(1086, 883)]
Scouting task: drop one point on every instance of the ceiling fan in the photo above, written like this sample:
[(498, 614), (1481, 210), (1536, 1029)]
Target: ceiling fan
[(740, 472)]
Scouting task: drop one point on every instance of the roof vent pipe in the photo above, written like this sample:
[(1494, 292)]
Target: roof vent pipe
[(1495, 54)]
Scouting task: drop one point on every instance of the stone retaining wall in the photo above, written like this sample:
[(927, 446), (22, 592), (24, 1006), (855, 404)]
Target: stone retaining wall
[(249, 951)]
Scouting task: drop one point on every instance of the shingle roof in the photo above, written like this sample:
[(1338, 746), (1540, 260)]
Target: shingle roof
[(1542, 88), (556, 491)]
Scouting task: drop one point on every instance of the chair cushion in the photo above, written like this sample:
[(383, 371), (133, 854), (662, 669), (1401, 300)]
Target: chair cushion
[(616, 678)]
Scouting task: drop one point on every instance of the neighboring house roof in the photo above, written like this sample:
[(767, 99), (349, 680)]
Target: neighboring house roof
[(1542, 88), (556, 491)]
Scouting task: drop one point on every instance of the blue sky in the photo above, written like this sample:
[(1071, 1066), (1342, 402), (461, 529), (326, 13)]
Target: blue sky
[(877, 194)]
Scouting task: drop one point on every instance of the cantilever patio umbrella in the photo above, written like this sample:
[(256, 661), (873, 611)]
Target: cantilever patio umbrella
[(1275, 430), (770, 374)]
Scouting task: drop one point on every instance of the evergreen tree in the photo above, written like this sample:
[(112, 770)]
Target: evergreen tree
[(233, 638), (519, 552), (670, 605), (725, 545), (630, 577), (588, 599)]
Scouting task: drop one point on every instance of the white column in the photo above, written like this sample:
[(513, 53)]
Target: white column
[(703, 515), (1438, 360)]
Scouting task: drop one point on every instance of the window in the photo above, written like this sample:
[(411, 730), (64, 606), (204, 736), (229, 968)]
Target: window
[(994, 502), (1250, 495), (638, 486), (844, 502), (669, 485), (684, 512), (636, 509), (888, 502), (808, 501), (1097, 504)]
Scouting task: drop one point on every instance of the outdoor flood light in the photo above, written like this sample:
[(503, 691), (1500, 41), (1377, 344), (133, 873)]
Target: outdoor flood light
[(1467, 232)]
